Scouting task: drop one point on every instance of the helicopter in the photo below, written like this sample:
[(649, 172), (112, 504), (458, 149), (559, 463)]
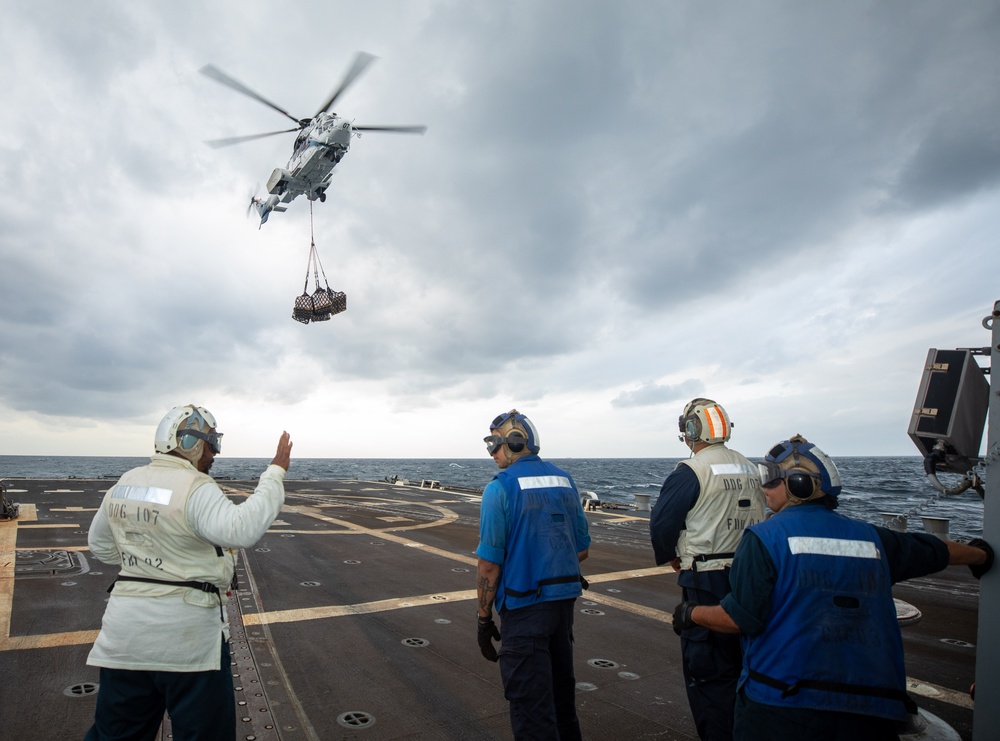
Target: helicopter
[(321, 143)]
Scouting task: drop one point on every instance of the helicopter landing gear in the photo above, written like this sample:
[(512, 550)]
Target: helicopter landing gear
[(322, 196)]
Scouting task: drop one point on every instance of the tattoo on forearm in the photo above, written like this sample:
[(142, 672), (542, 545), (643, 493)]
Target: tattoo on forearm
[(487, 591)]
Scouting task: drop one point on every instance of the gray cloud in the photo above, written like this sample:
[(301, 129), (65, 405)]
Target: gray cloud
[(653, 394), (608, 197)]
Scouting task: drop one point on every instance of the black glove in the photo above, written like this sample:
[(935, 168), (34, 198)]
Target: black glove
[(682, 616), (980, 569), (486, 633)]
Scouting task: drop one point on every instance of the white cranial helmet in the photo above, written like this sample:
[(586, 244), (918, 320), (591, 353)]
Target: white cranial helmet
[(186, 429)]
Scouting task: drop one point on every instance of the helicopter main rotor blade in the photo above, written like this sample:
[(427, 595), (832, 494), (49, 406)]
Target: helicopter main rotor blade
[(216, 143), (398, 129), (361, 62), (218, 75)]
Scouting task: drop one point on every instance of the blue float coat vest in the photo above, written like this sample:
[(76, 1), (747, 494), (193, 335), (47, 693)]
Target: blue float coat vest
[(832, 640), (540, 560)]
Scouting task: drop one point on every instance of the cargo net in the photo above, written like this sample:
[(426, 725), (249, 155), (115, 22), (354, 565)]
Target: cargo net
[(323, 302)]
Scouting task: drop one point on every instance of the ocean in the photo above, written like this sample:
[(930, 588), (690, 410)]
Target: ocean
[(872, 485)]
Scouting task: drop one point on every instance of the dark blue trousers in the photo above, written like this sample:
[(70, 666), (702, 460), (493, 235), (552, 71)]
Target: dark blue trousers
[(536, 666), (756, 721), (712, 661), (201, 705)]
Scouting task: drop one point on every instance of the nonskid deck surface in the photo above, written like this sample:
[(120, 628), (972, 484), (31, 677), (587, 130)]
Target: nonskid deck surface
[(354, 619)]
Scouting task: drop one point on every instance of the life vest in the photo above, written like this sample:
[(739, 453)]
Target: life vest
[(146, 511), (832, 640), (540, 559), (730, 500)]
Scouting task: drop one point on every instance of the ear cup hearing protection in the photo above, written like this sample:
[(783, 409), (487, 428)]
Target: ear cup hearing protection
[(516, 441), (801, 486), (692, 428)]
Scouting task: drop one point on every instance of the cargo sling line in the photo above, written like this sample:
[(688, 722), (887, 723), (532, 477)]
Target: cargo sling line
[(818, 684), (323, 302)]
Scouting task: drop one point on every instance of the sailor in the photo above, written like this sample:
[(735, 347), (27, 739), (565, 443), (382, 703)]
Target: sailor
[(704, 507), (163, 644), (812, 596), (533, 536)]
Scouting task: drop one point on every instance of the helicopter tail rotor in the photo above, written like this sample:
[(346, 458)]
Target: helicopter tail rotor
[(252, 199)]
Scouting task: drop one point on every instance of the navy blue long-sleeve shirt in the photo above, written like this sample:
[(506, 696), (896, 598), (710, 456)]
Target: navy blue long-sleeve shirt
[(677, 496)]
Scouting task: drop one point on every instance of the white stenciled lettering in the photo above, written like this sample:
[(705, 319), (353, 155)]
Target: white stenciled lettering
[(147, 515)]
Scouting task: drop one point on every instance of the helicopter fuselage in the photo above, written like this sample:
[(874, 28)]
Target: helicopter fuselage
[(319, 147)]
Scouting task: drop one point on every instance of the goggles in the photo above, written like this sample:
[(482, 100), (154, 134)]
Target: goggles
[(772, 474), (495, 442), (214, 439), (516, 441)]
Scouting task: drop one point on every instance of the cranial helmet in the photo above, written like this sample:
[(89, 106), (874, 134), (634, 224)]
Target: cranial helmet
[(186, 429), (514, 430), (805, 468), (704, 421)]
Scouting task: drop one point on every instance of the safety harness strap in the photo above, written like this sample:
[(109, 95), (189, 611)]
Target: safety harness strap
[(817, 684), (703, 557), (543, 583), (204, 586)]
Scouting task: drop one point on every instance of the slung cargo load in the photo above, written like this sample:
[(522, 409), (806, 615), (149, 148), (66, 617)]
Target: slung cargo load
[(323, 302)]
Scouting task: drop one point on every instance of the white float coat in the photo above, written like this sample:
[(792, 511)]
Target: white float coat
[(153, 627)]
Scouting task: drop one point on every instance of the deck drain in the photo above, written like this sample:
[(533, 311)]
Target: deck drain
[(376, 542), (589, 604), (81, 689), (356, 719), (592, 612), (461, 571), (288, 535), (439, 597), (628, 675), (416, 642), (443, 621), (586, 686), (352, 562), (262, 550), (614, 591), (956, 642), (309, 584), (603, 663)]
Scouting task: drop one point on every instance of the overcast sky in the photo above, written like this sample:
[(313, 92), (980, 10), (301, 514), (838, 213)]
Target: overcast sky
[(617, 206)]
